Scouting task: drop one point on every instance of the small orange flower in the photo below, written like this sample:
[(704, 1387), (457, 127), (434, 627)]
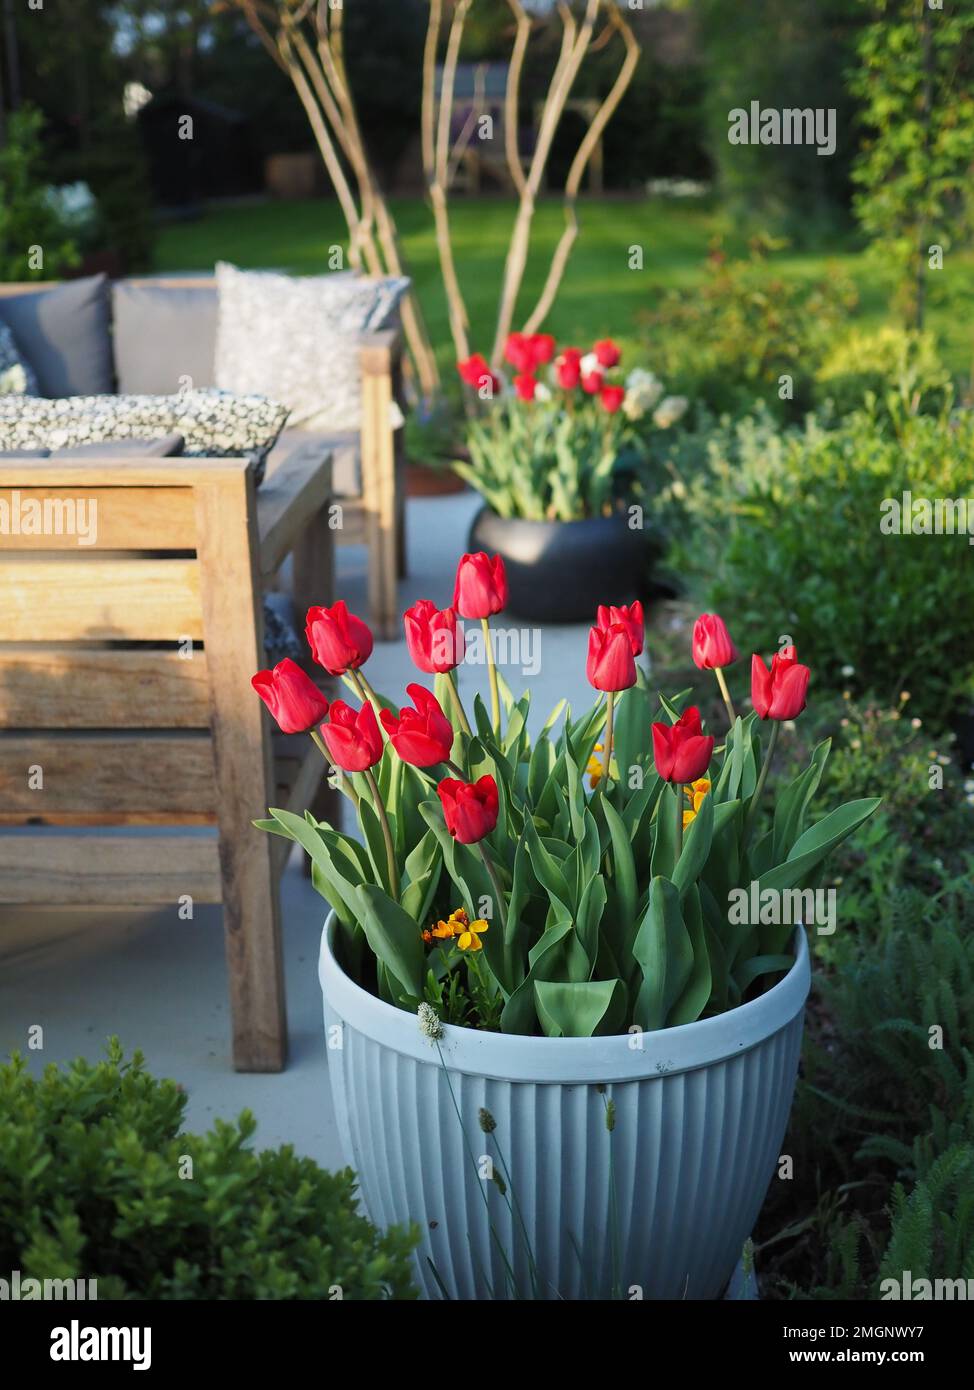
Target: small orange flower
[(695, 794)]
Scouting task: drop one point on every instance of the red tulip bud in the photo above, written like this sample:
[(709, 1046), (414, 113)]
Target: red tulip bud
[(338, 640), (435, 642), (291, 696), (352, 737), (780, 692), (712, 645), (481, 586), (469, 808), (631, 618), (611, 665), (681, 751), (422, 736)]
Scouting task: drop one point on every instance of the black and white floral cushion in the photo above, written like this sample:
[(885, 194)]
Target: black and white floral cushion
[(212, 423), (297, 338), (16, 376)]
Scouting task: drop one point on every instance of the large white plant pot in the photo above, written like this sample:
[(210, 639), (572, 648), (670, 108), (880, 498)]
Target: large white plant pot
[(658, 1208)]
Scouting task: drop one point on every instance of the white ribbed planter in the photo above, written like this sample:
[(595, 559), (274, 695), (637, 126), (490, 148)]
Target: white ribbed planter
[(700, 1112)]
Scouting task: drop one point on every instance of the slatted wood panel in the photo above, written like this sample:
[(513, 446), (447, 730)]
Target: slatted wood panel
[(108, 870), (107, 774), (84, 689), (48, 600), (108, 518)]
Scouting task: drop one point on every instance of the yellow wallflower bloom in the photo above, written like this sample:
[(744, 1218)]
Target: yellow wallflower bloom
[(470, 939), (695, 794)]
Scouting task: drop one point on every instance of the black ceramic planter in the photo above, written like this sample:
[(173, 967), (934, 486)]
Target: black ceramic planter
[(560, 571)]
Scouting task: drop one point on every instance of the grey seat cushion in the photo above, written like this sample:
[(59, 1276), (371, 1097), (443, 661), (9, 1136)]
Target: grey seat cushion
[(346, 476), (167, 446), (165, 337), (65, 335)]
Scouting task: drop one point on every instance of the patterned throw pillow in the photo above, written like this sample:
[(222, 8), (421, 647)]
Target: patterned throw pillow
[(16, 377), (297, 339), (214, 424)]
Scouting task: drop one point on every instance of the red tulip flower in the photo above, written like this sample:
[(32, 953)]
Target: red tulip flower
[(475, 372), (712, 645), (631, 618), (525, 385), (481, 586), (780, 692), (435, 642), (681, 751), (611, 665), (542, 348), (469, 808), (607, 352), (568, 371), (611, 398), (338, 640), (422, 736), (352, 737), (592, 383), (517, 351), (291, 696)]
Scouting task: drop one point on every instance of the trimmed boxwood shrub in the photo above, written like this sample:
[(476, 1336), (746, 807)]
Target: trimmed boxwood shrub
[(98, 1181)]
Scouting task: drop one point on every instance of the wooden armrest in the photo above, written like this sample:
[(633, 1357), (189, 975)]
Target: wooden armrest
[(379, 352), (286, 502)]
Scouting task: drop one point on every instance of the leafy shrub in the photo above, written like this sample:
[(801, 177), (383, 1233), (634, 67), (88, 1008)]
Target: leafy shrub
[(729, 341), (888, 360), (27, 217), (932, 1232), (797, 512), (94, 1185)]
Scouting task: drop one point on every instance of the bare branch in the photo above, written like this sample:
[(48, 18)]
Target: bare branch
[(459, 322), (512, 94), (573, 183)]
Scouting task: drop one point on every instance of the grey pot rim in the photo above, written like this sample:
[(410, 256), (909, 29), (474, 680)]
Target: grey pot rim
[(569, 1061)]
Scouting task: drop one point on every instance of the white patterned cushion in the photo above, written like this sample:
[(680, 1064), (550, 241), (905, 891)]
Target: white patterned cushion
[(213, 423), (16, 376), (298, 338)]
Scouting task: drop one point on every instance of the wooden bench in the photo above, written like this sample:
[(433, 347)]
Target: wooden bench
[(125, 700)]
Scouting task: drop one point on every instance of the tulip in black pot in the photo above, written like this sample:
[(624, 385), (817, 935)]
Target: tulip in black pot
[(558, 457)]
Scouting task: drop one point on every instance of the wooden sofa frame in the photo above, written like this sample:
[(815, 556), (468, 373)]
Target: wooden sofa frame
[(377, 518), (125, 700)]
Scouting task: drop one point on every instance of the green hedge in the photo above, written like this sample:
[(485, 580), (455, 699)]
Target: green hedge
[(97, 1181)]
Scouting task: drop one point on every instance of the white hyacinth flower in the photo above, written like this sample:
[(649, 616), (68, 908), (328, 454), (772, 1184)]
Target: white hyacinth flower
[(643, 390), (542, 392), (589, 364), (669, 410)]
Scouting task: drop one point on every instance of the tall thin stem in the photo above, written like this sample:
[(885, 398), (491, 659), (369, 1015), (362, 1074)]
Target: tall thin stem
[(380, 811), (494, 882), (457, 703), (495, 698), (752, 814), (609, 709), (677, 787), (346, 781), (728, 703)]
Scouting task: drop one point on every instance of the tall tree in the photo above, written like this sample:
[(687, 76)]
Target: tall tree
[(915, 77)]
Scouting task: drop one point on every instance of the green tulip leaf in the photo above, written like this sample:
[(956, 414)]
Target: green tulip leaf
[(580, 1010), (665, 954)]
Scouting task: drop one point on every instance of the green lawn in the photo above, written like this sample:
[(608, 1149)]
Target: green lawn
[(600, 294)]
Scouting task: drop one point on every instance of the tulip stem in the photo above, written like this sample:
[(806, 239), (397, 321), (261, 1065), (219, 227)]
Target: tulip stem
[(762, 778), (495, 698), (728, 703), (678, 788), (368, 695), (457, 705), (380, 811), (457, 771), (494, 881), (610, 700), (344, 778)]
